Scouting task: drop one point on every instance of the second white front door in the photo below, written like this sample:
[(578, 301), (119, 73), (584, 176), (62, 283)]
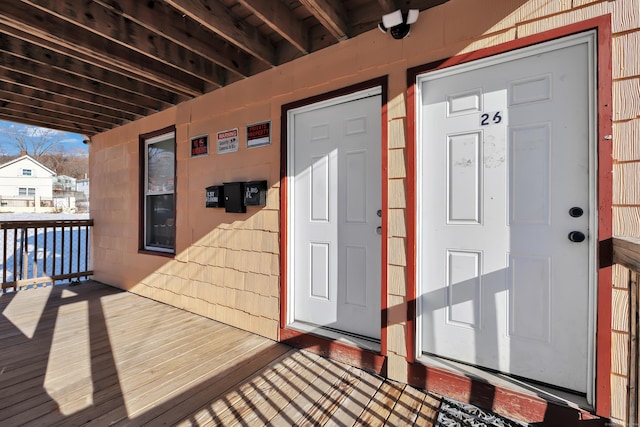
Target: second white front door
[(335, 218), (506, 210)]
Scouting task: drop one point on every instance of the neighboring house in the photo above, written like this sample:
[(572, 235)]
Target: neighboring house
[(25, 178), (437, 208), (64, 193), (82, 195), (64, 185), (82, 186)]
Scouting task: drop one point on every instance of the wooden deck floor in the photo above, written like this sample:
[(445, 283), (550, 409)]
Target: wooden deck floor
[(91, 354)]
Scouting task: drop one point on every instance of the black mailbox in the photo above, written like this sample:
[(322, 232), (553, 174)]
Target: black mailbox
[(255, 193), (233, 200), (215, 196)]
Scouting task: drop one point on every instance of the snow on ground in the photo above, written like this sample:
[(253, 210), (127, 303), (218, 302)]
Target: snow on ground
[(41, 216)]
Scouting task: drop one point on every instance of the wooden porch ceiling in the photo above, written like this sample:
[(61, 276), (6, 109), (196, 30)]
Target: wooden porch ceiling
[(86, 66)]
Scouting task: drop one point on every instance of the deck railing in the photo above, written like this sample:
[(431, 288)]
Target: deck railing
[(44, 252), (626, 253)]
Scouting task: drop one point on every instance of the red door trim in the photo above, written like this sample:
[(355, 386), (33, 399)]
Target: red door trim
[(366, 359), (461, 386)]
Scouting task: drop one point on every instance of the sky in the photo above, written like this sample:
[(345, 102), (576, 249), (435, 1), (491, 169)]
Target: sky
[(70, 141)]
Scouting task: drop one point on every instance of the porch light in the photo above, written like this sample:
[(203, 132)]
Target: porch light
[(399, 23)]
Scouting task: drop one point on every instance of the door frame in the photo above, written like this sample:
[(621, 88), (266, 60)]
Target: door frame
[(327, 346), (464, 387)]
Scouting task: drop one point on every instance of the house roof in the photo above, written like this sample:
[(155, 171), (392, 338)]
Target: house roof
[(29, 158), (89, 66)]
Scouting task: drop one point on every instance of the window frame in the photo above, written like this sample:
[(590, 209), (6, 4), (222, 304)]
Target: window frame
[(144, 141), (24, 172)]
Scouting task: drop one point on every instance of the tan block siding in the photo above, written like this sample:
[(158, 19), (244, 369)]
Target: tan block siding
[(620, 302), (227, 266), (627, 137), (627, 192), (620, 344), (618, 388), (627, 64), (228, 272), (620, 337), (626, 196)]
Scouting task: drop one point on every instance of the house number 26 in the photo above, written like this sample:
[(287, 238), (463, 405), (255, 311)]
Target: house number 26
[(487, 119)]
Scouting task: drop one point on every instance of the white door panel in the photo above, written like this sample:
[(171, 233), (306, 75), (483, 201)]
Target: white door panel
[(504, 157), (336, 194)]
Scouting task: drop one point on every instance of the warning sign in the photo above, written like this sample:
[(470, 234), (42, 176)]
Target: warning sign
[(227, 141)]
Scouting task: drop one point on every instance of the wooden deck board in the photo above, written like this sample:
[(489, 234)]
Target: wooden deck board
[(258, 400), (192, 402), (101, 356), (407, 408), (318, 393), (353, 406), (278, 391), (133, 357), (381, 405), (335, 397)]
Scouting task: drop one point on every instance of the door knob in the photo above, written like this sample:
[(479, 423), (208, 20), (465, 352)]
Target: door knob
[(379, 230), (576, 212), (577, 236)]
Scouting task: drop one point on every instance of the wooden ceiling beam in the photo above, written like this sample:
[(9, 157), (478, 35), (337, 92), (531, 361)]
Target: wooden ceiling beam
[(65, 79), (48, 58), (41, 121), (17, 95), (34, 110), (154, 16), (91, 66), (114, 27), (332, 14), (52, 109), (92, 47), (217, 18), (281, 20), (12, 76)]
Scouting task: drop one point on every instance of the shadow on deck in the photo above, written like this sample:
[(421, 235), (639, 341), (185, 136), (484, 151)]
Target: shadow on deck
[(91, 354)]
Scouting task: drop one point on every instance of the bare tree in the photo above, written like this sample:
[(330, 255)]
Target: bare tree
[(73, 163), (35, 141)]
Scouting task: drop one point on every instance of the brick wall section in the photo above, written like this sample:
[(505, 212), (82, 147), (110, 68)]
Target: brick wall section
[(227, 265)]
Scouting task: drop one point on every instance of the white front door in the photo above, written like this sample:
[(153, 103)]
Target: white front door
[(335, 198), (505, 198)]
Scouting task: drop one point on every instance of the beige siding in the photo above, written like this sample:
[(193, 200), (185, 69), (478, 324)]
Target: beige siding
[(227, 266), (626, 209)]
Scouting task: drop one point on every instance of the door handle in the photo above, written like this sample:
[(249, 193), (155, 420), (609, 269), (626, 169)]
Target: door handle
[(379, 230), (577, 236), (576, 212)]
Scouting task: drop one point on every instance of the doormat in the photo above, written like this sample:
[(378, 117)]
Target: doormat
[(458, 414)]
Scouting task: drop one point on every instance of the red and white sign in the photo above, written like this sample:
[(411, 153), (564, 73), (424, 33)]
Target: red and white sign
[(259, 134), (227, 141)]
